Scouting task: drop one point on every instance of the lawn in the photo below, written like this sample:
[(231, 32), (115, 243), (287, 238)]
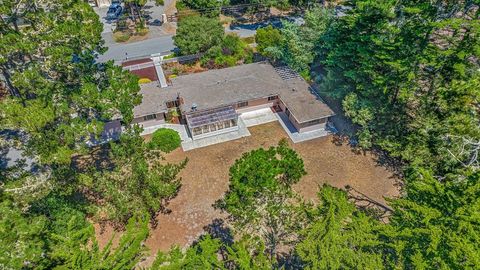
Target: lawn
[(205, 180)]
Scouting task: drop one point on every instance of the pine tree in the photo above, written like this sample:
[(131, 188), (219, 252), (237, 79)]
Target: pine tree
[(436, 225), (339, 236)]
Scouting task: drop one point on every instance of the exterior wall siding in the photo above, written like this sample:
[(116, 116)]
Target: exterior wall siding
[(304, 127), (312, 127), (159, 120), (255, 104), (255, 107)]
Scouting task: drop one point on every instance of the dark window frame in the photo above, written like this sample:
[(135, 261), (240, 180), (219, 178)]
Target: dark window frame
[(150, 117), (242, 104), (270, 98)]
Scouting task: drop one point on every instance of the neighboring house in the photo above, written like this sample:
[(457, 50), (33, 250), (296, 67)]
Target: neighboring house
[(111, 131), (210, 102)]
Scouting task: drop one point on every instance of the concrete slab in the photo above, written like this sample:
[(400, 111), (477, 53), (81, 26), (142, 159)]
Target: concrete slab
[(245, 120), (294, 135), (220, 138), (181, 129), (258, 117)]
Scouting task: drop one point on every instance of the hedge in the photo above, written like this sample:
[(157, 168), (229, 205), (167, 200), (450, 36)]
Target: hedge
[(165, 139)]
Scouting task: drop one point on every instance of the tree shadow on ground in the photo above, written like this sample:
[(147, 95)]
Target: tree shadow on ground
[(289, 260), (98, 158), (370, 206), (393, 165), (218, 229)]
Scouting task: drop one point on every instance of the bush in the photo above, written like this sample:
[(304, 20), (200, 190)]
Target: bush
[(170, 56), (230, 52), (144, 80), (142, 31), (267, 37), (121, 36), (180, 5), (248, 40), (306, 75), (165, 139)]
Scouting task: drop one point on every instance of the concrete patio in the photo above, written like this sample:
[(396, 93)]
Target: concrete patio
[(248, 119), (258, 117)]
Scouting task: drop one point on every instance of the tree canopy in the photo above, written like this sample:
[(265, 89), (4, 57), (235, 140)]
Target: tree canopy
[(407, 73), (197, 34)]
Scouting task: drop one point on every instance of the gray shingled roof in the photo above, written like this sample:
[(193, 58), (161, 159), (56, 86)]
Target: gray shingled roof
[(227, 86)]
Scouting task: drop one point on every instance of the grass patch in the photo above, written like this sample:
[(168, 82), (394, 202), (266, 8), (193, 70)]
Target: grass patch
[(170, 56), (121, 36), (248, 40)]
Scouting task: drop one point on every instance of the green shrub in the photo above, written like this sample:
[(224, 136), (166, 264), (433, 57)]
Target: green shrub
[(226, 60), (180, 5), (306, 75), (165, 139), (268, 37), (142, 31), (248, 40), (231, 51), (144, 80), (170, 56), (121, 36)]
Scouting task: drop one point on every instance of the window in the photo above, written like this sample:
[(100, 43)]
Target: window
[(173, 103), (242, 104), (270, 98), (149, 117), (227, 124), (197, 131)]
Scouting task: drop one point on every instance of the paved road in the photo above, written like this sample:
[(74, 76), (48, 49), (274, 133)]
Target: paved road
[(158, 42), (249, 30), (119, 52)]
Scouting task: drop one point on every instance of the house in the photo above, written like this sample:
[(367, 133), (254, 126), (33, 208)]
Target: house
[(211, 102)]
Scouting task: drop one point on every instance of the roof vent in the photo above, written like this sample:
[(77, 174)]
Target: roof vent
[(293, 89), (194, 106)]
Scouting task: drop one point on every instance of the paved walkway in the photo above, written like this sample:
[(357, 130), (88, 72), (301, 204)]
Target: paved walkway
[(258, 117), (189, 144), (181, 129), (245, 120)]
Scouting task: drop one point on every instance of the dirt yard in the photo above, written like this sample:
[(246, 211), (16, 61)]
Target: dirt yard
[(205, 180)]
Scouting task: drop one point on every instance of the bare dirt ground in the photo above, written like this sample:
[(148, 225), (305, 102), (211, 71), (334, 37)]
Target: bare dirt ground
[(205, 180)]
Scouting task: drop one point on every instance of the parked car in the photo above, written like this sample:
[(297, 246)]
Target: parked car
[(114, 11)]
